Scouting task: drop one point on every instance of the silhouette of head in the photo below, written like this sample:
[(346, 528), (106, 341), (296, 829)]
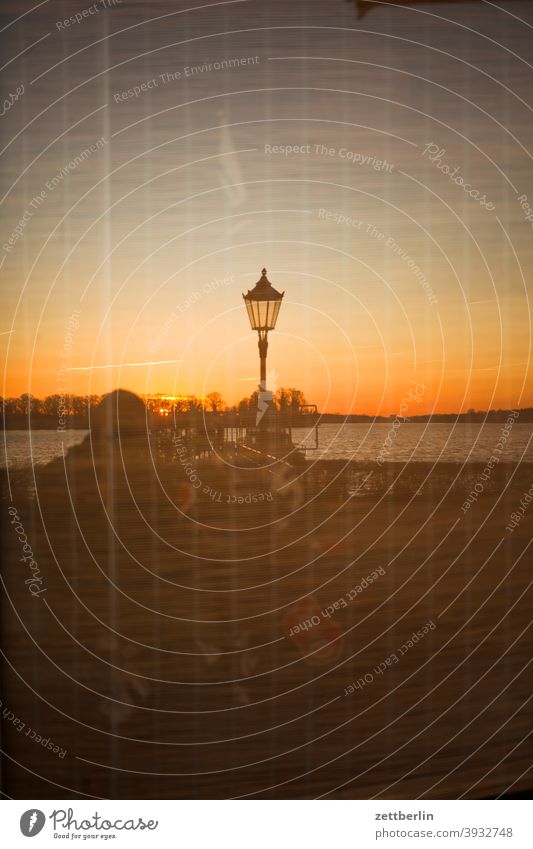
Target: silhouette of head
[(120, 414)]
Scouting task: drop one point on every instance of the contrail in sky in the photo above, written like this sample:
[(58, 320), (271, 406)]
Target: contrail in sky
[(123, 365)]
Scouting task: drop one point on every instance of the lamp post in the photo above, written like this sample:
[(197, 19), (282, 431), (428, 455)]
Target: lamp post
[(263, 303)]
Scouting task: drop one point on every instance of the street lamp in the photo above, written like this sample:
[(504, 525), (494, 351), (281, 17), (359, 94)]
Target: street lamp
[(263, 303)]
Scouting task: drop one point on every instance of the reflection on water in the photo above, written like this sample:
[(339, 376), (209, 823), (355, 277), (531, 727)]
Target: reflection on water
[(37, 447), (419, 442)]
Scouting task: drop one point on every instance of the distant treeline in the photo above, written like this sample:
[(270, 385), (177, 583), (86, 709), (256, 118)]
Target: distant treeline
[(75, 409), (45, 412), (472, 416)]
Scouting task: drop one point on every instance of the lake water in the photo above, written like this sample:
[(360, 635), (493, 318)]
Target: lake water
[(36, 448), (420, 442), (364, 442)]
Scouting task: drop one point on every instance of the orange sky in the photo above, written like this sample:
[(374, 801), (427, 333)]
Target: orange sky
[(312, 160)]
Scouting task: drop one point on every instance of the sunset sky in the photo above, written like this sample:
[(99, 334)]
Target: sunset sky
[(139, 251)]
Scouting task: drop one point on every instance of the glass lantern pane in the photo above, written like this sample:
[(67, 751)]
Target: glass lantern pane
[(275, 312), (262, 307), (249, 308), (255, 313)]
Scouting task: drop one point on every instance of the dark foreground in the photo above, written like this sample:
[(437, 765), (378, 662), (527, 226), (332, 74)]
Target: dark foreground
[(254, 636)]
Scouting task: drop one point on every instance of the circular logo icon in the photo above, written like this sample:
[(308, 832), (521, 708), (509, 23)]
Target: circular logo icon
[(31, 822)]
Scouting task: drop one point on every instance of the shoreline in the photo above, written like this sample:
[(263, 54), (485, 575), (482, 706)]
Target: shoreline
[(523, 415), (51, 426)]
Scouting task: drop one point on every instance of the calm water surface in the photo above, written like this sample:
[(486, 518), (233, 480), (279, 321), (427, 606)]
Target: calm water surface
[(422, 442), (365, 442), (37, 448)]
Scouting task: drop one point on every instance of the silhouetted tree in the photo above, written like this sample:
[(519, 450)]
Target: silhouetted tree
[(194, 405), (289, 400), (79, 404), (216, 402), (180, 405), (12, 406), (50, 405), (30, 404)]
